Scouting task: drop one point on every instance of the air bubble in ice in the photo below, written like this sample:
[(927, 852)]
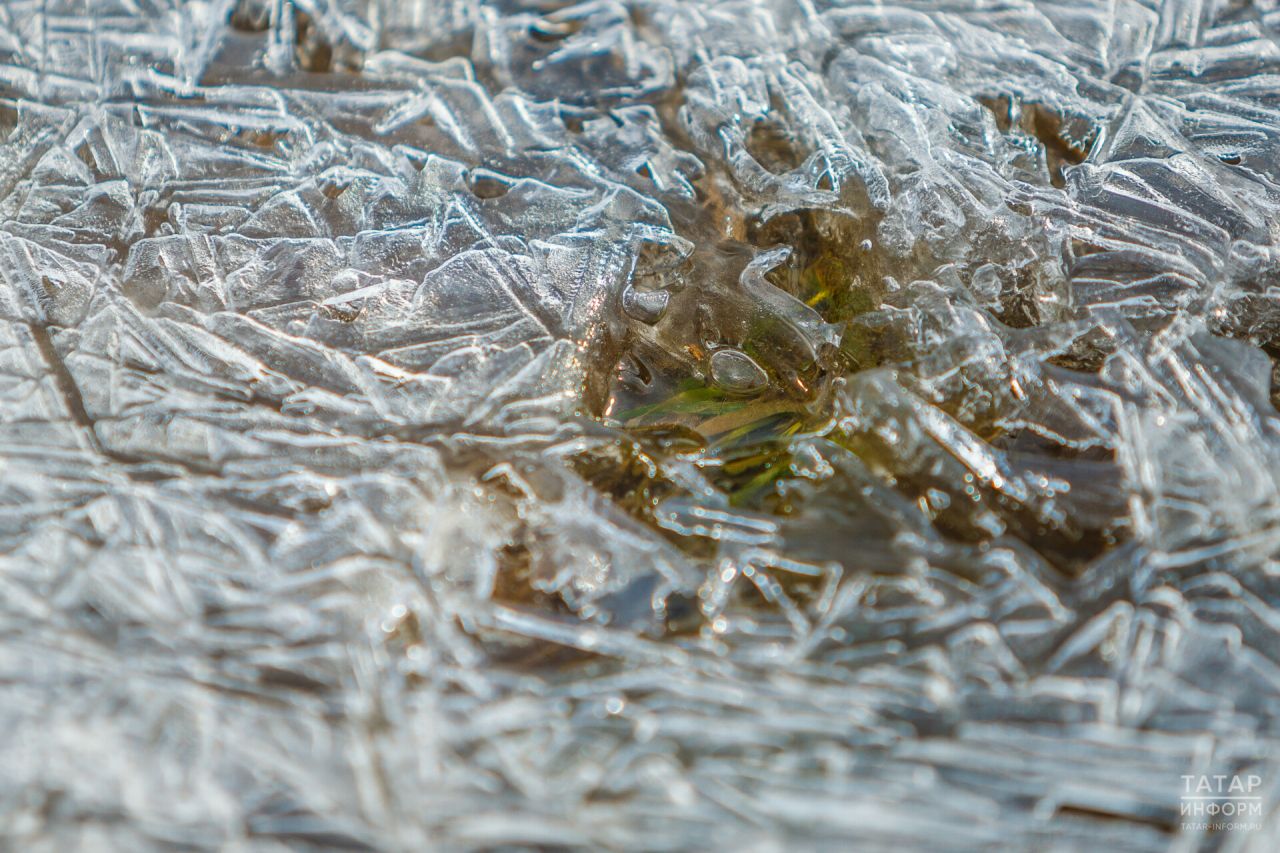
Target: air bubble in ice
[(647, 306), (736, 372)]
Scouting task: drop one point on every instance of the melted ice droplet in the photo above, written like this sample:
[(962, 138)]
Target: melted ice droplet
[(647, 306), (734, 370)]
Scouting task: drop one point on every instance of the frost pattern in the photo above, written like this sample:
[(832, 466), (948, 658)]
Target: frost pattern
[(457, 425)]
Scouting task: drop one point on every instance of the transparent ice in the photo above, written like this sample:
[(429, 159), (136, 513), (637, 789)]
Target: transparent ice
[(440, 424)]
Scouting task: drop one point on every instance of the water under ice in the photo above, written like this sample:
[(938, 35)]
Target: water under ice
[(653, 424)]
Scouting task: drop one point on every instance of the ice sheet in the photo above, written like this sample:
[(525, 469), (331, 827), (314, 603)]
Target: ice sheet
[(439, 424)]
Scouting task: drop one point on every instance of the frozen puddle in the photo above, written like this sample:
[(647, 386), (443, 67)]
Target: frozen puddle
[(650, 425)]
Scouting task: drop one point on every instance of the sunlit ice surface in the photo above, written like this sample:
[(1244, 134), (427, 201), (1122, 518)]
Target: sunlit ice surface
[(435, 424)]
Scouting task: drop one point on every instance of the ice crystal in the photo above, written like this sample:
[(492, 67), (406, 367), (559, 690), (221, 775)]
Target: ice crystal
[(442, 424)]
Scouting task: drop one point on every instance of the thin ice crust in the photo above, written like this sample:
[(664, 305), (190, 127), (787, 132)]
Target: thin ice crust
[(650, 425)]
